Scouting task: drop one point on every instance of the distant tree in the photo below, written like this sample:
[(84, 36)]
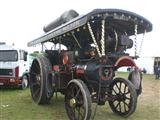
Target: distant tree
[(35, 54)]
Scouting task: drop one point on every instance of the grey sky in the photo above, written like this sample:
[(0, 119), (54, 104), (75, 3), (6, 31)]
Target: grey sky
[(23, 20)]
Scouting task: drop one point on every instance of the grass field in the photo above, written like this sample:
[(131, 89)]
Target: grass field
[(18, 105)]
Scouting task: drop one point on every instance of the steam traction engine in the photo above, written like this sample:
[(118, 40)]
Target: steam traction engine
[(85, 72)]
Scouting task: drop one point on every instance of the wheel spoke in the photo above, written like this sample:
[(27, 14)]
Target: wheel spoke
[(80, 112), (117, 87), (76, 88), (120, 86), (125, 89), (125, 108), (120, 109), (125, 104), (36, 92), (77, 93), (117, 105), (72, 91), (115, 91), (127, 92), (127, 98)]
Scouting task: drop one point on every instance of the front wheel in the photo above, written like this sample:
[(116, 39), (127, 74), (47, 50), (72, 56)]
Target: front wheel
[(124, 97), (78, 101)]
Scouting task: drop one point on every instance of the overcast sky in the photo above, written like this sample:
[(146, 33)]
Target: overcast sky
[(22, 20)]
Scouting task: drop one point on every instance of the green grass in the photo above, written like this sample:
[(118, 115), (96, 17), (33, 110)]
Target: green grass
[(18, 105)]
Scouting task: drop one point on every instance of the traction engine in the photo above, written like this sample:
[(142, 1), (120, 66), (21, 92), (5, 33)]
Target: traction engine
[(85, 72)]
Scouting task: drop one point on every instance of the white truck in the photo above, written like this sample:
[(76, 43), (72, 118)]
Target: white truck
[(14, 67)]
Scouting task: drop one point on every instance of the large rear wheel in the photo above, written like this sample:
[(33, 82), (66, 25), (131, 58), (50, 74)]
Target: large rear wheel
[(78, 101), (40, 82), (124, 97)]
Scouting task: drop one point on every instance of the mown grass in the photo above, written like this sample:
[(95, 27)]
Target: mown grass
[(17, 105)]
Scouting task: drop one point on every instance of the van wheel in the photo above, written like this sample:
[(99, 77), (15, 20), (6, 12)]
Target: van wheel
[(24, 82)]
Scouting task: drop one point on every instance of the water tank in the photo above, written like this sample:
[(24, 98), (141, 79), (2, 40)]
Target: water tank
[(65, 17)]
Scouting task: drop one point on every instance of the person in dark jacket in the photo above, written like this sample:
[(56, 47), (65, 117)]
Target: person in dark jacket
[(156, 71)]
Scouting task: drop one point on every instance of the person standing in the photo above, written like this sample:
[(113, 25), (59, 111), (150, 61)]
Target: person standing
[(156, 72)]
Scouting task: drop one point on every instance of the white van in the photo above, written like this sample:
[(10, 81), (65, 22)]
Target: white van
[(14, 66)]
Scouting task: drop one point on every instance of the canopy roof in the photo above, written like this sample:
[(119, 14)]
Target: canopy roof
[(119, 20)]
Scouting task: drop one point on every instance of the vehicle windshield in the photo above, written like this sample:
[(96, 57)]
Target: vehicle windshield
[(8, 55)]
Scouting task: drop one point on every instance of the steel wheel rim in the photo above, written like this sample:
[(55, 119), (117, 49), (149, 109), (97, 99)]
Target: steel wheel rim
[(35, 81)]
